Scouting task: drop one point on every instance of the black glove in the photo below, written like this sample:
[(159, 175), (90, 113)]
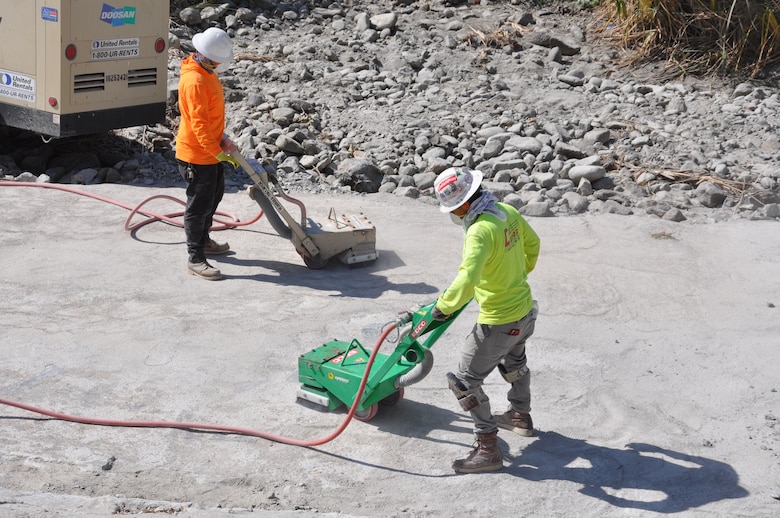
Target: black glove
[(438, 315)]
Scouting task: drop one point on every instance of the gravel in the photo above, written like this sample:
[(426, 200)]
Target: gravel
[(365, 97)]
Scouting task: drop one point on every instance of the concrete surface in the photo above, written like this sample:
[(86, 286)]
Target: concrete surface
[(654, 363)]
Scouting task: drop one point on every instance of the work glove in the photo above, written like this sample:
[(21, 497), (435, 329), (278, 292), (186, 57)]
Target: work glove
[(438, 315), (224, 157), (227, 145)]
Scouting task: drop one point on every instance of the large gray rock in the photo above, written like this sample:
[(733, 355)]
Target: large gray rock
[(190, 16), (575, 202), (587, 172), (547, 39), (710, 195), (523, 145), (361, 174), (499, 189), (540, 209), (384, 21)]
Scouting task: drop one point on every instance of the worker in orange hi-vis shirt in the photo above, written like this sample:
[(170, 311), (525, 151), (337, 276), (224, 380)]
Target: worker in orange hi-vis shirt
[(200, 150)]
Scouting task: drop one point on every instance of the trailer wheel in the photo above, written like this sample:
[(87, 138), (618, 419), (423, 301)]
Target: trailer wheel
[(367, 414), (393, 399)]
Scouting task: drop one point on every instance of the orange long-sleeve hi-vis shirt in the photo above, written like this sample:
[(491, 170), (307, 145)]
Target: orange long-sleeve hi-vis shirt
[(202, 107)]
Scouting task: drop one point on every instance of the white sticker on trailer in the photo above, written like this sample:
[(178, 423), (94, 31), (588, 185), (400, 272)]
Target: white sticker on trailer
[(120, 48), (17, 86)]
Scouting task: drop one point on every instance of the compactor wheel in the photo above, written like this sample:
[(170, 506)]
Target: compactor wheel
[(393, 399), (314, 263), (367, 414)]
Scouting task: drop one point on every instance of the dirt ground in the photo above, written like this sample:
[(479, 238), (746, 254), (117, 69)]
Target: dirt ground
[(654, 368)]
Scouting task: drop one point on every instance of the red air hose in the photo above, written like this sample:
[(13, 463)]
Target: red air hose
[(219, 428), (220, 224)]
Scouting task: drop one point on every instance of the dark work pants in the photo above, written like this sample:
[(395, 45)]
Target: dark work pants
[(205, 187)]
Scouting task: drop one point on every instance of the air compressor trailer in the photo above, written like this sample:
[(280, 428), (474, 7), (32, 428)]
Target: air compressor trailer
[(75, 67)]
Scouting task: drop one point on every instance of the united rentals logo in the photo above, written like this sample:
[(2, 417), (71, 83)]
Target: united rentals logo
[(117, 16)]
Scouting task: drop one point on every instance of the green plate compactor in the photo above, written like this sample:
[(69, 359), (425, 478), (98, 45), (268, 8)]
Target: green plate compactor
[(332, 373)]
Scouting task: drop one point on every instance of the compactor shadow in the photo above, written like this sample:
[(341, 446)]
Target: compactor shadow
[(417, 420), (361, 282), (20, 418), (409, 419), (641, 476)]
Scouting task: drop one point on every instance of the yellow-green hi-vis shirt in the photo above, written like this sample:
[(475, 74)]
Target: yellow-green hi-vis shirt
[(497, 258)]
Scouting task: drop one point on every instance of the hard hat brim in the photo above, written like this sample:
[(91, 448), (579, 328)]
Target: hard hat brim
[(477, 177)]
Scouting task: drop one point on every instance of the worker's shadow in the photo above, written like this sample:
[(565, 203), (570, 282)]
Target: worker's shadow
[(640, 476), (357, 281), (410, 419)]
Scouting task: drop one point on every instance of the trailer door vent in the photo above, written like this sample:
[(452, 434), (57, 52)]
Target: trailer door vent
[(142, 77), (89, 83)]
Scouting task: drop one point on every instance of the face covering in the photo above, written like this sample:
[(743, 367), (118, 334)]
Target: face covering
[(485, 204), (205, 62)]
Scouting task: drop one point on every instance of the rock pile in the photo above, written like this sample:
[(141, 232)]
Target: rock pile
[(381, 96)]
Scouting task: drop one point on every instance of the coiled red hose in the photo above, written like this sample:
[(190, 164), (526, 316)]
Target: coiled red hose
[(151, 217), (220, 225)]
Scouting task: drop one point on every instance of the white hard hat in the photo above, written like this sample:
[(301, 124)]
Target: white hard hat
[(455, 186), (215, 44)]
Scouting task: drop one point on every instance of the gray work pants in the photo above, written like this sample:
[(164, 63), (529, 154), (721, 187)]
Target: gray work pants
[(487, 346)]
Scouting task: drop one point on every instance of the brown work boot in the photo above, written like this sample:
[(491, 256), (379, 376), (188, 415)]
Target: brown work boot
[(517, 422), (204, 270), (214, 248), (486, 456)]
